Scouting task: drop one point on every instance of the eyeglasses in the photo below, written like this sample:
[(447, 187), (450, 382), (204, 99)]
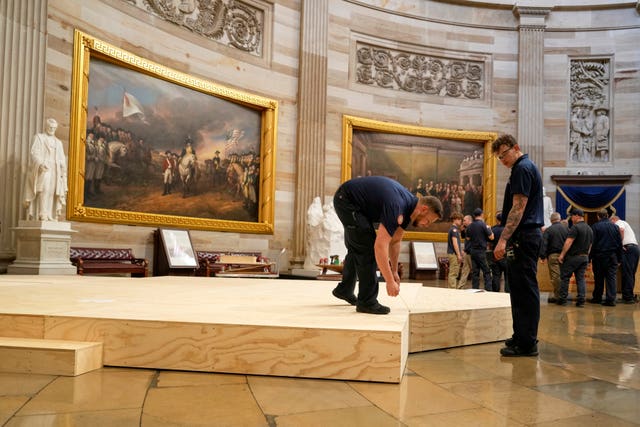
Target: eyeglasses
[(504, 153)]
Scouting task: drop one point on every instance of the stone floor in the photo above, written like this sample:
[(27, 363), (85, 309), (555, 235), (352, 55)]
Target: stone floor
[(587, 374)]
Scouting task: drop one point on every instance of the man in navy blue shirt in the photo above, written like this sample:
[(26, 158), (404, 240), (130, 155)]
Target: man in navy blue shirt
[(523, 215), (479, 234), (498, 267), (360, 203), (606, 254)]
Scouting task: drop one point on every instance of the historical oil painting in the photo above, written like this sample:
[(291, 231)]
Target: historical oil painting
[(455, 166), (157, 147)]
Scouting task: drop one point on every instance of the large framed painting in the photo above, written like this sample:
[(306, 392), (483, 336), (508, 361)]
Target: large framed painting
[(454, 165), (153, 146)]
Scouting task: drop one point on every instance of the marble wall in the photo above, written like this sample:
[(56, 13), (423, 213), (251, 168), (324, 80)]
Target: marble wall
[(474, 31)]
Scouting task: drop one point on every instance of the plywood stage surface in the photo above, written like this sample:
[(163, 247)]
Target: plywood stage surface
[(292, 328)]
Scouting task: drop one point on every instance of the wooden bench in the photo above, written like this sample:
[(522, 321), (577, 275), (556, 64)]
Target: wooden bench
[(209, 261), (108, 261)]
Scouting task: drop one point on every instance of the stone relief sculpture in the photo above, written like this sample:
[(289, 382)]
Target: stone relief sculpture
[(589, 136), (46, 182), (418, 73), (232, 23)]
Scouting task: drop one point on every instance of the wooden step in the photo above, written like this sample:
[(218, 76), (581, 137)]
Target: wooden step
[(49, 357)]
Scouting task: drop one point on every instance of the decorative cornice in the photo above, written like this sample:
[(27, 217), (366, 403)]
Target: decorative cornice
[(590, 179)]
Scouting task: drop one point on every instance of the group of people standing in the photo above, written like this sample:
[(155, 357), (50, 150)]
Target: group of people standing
[(476, 255), (606, 244), (516, 243)]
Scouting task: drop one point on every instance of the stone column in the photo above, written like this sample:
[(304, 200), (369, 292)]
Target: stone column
[(312, 111), (531, 80), (22, 49)]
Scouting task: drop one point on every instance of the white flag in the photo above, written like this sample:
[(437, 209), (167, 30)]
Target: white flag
[(131, 106)]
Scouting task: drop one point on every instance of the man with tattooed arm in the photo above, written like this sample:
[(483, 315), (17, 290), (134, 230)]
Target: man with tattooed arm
[(520, 244)]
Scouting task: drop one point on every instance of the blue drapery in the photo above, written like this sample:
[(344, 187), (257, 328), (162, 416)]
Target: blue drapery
[(591, 199)]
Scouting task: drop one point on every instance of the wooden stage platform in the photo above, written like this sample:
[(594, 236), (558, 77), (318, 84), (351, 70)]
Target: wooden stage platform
[(293, 328)]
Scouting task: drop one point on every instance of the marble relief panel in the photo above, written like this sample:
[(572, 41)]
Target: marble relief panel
[(589, 129), (233, 23), (419, 72)]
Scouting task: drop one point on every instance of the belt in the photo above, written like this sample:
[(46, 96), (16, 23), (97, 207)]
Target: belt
[(629, 244), (579, 255)]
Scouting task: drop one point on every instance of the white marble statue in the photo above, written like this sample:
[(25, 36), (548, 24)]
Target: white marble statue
[(547, 206), (317, 247), (325, 234), (46, 184), (333, 231)]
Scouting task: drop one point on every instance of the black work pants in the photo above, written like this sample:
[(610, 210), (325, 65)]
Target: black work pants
[(478, 263), (630, 256), (605, 267), (522, 268), (360, 261)]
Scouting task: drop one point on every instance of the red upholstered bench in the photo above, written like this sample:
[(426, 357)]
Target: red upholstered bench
[(108, 261)]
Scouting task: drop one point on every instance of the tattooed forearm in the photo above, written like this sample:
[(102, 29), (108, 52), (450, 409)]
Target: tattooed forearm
[(515, 215)]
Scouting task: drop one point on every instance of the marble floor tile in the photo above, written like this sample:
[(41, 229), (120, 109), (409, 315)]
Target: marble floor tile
[(600, 396), (344, 417), (111, 418), (22, 384), (282, 396), (587, 374), (516, 402), (9, 405), (477, 417), (103, 389), (177, 379), (219, 405), (414, 396)]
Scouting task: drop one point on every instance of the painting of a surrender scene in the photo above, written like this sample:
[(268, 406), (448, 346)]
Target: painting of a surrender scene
[(159, 152), (158, 147), (454, 166)]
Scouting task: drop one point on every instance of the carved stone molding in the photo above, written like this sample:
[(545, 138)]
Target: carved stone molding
[(590, 114), (419, 73), (232, 23)]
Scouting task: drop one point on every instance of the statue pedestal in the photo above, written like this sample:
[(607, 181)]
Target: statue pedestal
[(43, 248)]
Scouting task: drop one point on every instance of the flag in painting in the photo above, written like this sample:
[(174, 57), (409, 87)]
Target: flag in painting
[(231, 146), (131, 106)]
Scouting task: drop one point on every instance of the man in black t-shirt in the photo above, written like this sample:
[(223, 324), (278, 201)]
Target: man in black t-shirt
[(479, 234), (523, 215), (574, 258), (605, 255), (360, 203)]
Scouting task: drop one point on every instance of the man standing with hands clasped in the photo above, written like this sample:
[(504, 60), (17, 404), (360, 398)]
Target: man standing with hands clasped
[(359, 203), (520, 243)]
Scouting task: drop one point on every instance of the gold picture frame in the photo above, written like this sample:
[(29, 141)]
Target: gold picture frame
[(218, 144), (416, 155)]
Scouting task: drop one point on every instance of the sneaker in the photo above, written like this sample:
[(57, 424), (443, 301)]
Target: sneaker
[(562, 301), (351, 299), (594, 301), (609, 303), (628, 301), (517, 351), (376, 308), (580, 303), (552, 300), (510, 342)]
